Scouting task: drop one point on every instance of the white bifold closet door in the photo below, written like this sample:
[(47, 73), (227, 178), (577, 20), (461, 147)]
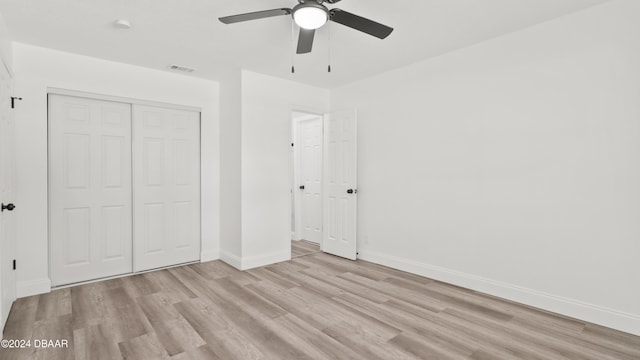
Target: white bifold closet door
[(166, 187), (89, 189)]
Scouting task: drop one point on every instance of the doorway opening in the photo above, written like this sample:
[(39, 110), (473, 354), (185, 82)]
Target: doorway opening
[(307, 187)]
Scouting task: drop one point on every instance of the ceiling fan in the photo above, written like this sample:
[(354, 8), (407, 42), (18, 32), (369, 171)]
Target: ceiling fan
[(313, 14)]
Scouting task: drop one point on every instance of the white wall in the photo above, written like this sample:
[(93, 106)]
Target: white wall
[(230, 172), (6, 56), (38, 68), (267, 103), (513, 166)]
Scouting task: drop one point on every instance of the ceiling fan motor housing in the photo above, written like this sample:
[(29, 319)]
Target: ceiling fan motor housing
[(312, 1)]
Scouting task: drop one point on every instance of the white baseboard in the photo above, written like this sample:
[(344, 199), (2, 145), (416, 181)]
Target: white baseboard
[(231, 259), (250, 262), (569, 307), (209, 255), (33, 287)]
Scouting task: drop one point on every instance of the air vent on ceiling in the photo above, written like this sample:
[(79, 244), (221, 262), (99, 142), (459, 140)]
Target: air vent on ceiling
[(181, 68)]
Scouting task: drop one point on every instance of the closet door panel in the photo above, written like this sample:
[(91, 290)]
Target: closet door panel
[(166, 187), (90, 229)]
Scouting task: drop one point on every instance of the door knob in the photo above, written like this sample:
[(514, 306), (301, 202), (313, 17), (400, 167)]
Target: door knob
[(8, 207)]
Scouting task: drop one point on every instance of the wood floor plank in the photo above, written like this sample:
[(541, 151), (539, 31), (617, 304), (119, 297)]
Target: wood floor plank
[(173, 331), (249, 299), (23, 313), (324, 347), (316, 306), (346, 285), (168, 281), (145, 347), (367, 343), (203, 352), (53, 304), (409, 323), (140, 285), (234, 343), (59, 328), (88, 305), (310, 282), (266, 275), (396, 292), (127, 322), (95, 342), (448, 299), (417, 346), (203, 315), (523, 342), (303, 248)]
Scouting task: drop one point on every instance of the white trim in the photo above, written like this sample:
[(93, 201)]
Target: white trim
[(33, 287), (251, 262), (209, 255), (231, 259), (120, 99), (295, 178), (569, 307)]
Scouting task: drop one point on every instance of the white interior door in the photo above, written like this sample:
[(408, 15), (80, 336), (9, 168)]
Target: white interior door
[(311, 178), (166, 187), (90, 232), (7, 192), (339, 236)]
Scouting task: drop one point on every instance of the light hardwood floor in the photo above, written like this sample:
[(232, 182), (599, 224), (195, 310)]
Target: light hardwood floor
[(303, 248), (315, 306)]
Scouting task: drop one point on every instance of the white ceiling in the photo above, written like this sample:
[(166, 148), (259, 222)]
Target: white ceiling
[(187, 32)]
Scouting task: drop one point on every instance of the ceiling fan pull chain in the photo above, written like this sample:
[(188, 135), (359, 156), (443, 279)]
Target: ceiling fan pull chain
[(293, 47), (329, 46)]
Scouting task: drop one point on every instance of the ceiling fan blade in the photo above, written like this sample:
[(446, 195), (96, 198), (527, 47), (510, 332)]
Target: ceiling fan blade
[(254, 15), (332, 1), (305, 41), (359, 23)]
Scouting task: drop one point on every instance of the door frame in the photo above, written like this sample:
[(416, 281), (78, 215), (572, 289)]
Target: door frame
[(294, 171), (120, 99), (8, 243)]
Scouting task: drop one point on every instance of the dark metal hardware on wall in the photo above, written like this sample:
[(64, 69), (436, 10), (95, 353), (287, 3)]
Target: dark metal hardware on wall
[(13, 99), (301, 187), (8, 207), (14, 264), (352, 191)]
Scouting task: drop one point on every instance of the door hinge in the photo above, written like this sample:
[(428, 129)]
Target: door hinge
[(14, 264), (13, 99)]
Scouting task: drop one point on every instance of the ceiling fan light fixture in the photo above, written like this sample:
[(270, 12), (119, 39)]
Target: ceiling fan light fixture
[(310, 16)]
